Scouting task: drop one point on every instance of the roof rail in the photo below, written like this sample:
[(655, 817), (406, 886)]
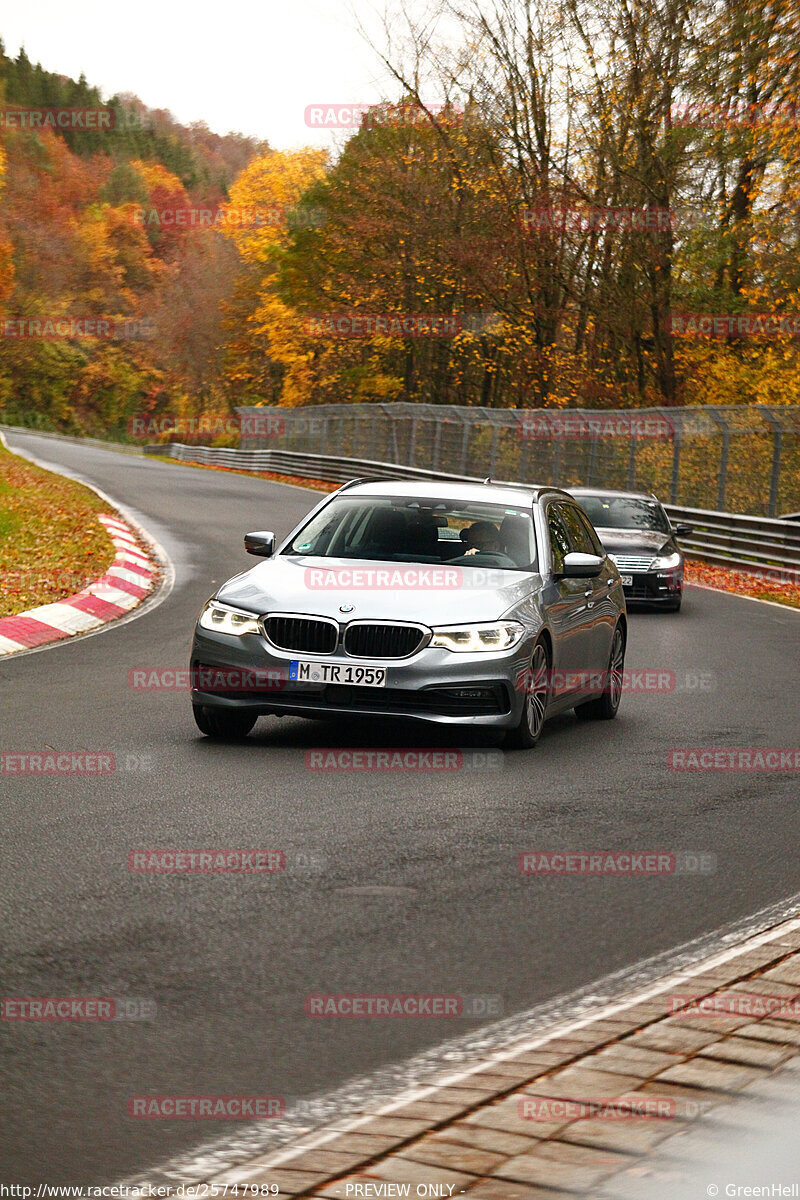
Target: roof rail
[(520, 487), (352, 483)]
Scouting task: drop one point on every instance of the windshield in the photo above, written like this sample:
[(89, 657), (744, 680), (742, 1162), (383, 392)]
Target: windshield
[(410, 529), (620, 512)]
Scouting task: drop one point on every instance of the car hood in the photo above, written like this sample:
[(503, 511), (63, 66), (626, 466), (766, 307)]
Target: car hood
[(300, 584), (628, 541)]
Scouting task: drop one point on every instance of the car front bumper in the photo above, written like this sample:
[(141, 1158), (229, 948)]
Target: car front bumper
[(654, 587), (433, 685)]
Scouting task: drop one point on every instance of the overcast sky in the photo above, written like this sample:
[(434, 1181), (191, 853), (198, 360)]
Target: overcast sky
[(252, 66)]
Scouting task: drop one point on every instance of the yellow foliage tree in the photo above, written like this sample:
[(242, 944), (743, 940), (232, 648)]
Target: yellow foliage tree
[(6, 263), (265, 351), (259, 217)]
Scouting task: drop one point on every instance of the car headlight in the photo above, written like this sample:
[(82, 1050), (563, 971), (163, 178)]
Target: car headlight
[(227, 620), (466, 639), (666, 562)]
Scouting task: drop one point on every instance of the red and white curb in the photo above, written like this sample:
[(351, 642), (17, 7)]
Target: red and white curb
[(128, 581)]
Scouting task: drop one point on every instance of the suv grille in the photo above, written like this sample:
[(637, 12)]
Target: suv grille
[(632, 562), (309, 635), (363, 640)]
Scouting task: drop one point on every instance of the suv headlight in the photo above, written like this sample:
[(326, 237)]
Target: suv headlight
[(466, 639), (666, 562), (227, 620)]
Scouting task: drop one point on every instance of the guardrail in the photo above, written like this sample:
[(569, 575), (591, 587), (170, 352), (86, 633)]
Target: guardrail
[(733, 539), (327, 467), (766, 544)]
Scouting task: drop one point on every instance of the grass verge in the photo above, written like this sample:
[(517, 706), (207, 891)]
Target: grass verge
[(51, 543)]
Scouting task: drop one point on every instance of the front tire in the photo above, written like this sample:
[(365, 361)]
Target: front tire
[(534, 709), (605, 707), (222, 723)]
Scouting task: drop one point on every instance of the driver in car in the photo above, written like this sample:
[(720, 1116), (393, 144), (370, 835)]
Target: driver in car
[(483, 536)]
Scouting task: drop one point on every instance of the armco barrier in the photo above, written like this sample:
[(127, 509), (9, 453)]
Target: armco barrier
[(725, 538), (739, 540)]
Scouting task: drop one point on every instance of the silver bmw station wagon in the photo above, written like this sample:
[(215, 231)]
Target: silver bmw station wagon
[(461, 604)]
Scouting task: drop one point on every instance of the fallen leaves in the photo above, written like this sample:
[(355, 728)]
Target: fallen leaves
[(780, 585)]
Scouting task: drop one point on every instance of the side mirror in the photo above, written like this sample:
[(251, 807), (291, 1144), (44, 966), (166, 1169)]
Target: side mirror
[(581, 566), (261, 543), (683, 529)]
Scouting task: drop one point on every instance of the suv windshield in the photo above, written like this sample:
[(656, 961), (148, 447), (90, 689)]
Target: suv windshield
[(412, 529), (621, 512)]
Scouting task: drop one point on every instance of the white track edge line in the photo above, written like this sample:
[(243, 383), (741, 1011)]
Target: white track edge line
[(741, 596), (156, 598), (778, 924), (541, 1039)]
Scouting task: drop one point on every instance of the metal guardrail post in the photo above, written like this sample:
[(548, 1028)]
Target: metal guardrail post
[(591, 469), (437, 445), (722, 479), (676, 461), (464, 446), (557, 455), (632, 462), (523, 460), (777, 446)]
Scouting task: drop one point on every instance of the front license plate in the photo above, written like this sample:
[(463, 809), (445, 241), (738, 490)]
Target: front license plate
[(314, 672), (626, 580)]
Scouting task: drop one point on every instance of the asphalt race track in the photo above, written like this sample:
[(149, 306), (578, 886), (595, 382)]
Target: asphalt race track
[(229, 960)]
